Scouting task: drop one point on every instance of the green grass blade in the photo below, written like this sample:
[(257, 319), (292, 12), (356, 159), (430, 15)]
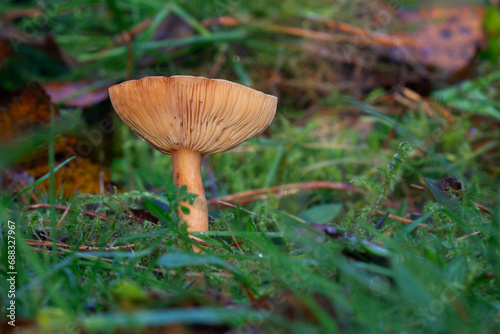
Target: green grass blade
[(52, 183), (405, 133), (189, 19), (274, 166), (40, 180), (196, 315), (234, 35), (408, 229)]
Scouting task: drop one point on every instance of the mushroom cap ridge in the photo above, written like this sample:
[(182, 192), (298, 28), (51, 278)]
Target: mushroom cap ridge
[(195, 113)]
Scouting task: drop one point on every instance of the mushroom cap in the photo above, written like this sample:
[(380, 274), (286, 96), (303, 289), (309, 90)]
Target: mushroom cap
[(185, 112)]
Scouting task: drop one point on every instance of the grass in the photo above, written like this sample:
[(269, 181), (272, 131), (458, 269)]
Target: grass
[(265, 268), (441, 278)]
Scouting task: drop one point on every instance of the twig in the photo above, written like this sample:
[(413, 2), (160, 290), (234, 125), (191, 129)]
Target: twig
[(366, 37), (127, 36), (429, 104), (371, 38), (300, 220), (250, 196), (32, 194), (416, 186), (466, 236), (237, 244), (399, 219), (23, 198), (203, 243), (14, 14), (218, 65), (227, 21), (62, 217)]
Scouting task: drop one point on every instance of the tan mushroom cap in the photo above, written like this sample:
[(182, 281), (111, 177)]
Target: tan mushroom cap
[(184, 112)]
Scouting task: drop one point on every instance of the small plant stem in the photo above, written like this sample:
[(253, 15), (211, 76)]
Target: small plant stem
[(187, 171)]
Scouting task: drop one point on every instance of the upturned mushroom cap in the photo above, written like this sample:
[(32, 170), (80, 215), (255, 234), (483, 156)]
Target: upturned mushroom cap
[(184, 112)]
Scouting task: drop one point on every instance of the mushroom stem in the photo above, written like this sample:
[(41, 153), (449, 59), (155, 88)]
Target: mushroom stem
[(187, 171)]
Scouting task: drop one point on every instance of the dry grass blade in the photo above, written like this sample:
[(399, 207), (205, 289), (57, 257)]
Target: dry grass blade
[(365, 37), (62, 217), (369, 38), (15, 14), (127, 36), (399, 219), (428, 104), (466, 236), (32, 194), (250, 196)]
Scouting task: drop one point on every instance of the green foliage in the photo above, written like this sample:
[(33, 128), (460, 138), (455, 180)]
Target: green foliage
[(492, 28), (390, 176), (475, 96), (427, 281), (321, 214)]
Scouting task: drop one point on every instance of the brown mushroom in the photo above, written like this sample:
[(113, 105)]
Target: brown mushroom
[(190, 117)]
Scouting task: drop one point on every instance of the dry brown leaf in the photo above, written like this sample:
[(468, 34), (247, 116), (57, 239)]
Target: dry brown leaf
[(29, 110), (447, 38), (5, 51), (59, 91)]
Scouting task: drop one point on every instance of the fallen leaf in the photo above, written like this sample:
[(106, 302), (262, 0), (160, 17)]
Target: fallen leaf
[(447, 38), (145, 215), (425, 47), (445, 191), (290, 306), (5, 51), (60, 91), (26, 111)]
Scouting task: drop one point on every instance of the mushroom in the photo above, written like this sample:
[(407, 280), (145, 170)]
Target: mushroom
[(190, 117)]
